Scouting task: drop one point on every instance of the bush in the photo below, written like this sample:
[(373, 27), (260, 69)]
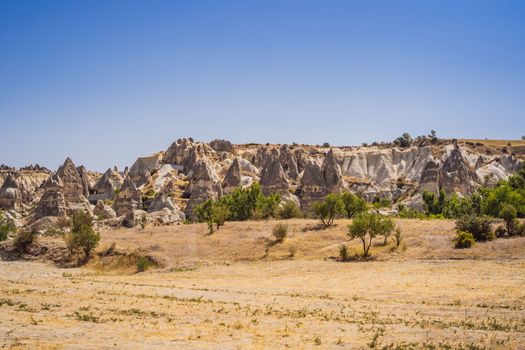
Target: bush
[(398, 236), (328, 209), (289, 210), (479, 226), (500, 232), (6, 227), (213, 213), (143, 263), (343, 252), (367, 226), (82, 239), (464, 240), (23, 240), (280, 231), (246, 203), (353, 204), (404, 140)]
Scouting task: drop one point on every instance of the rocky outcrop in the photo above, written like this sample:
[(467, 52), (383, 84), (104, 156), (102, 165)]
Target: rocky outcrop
[(72, 182), (141, 171), (333, 178), (456, 176), (186, 152), (313, 185), (273, 178), (10, 194), (86, 181), (107, 186), (289, 162), (53, 202), (127, 202), (204, 184), (103, 211), (221, 145), (233, 177), (429, 180)]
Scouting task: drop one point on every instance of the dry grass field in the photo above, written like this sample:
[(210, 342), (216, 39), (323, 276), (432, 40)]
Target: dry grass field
[(227, 291)]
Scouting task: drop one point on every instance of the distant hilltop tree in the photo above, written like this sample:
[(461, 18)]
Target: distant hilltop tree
[(404, 140)]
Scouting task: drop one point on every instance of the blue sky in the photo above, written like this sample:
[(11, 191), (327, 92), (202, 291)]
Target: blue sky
[(107, 81)]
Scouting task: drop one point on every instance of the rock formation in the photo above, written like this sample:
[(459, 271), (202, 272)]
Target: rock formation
[(186, 152), (456, 176), (273, 178), (221, 145), (233, 177), (10, 194), (103, 211), (313, 185), (333, 178), (140, 172), (205, 184), (107, 186), (128, 201), (289, 162), (86, 181), (53, 201)]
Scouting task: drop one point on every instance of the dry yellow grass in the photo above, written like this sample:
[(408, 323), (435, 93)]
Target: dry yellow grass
[(497, 143), (219, 292)]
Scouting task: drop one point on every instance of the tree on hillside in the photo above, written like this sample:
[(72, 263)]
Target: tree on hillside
[(404, 140)]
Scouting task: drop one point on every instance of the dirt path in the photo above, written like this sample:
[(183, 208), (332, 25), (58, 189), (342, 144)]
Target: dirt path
[(272, 304)]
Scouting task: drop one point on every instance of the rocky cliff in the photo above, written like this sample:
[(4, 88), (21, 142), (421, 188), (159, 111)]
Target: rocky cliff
[(169, 183)]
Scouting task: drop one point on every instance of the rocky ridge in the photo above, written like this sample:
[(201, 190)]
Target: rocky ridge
[(165, 188)]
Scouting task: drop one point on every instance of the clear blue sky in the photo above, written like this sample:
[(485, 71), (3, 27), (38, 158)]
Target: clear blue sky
[(107, 81)]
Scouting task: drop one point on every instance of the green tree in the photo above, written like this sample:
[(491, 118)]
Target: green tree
[(367, 226), (83, 238), (328, 209), (205, 213), (404, 140), (213, 213), (353, 204), (221, 212), (242, 202), (508, 213)]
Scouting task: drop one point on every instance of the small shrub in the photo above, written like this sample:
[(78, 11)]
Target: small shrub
[(479, 226), (464, 240), (6, 227), (289, 210), (292, 250), (143, 263), (143, 221), (23, 240), (280, 231), (326, 144), (398, 236), (500, 232), (343, 252)]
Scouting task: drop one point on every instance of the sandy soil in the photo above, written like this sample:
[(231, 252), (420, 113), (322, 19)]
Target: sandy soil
[(224, 292)]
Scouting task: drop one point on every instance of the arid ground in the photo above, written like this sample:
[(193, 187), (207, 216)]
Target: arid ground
[(228, 291)]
